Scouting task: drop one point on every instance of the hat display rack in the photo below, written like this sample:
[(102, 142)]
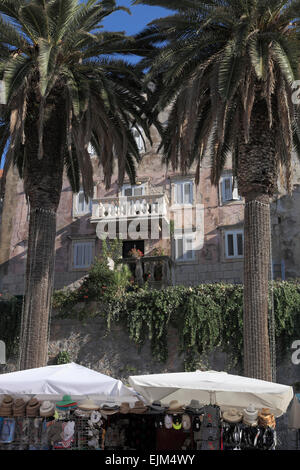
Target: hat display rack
[(70, 425)]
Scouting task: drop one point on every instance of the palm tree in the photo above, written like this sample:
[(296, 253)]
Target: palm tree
[(227, 70), (64, 90)]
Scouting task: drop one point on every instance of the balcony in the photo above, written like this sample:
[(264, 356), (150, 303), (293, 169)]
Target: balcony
[(130, 207), (157, 271)]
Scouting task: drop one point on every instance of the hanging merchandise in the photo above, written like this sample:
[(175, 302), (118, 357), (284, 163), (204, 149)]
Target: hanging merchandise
[(210, 428), (177, 422), (294, 414), (168, 421)]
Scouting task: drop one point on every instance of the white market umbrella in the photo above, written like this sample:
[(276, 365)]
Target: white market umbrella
[(225, 390), (52, 382)]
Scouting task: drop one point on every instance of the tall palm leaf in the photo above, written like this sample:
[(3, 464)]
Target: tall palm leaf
[(227, 69), (63, 91)]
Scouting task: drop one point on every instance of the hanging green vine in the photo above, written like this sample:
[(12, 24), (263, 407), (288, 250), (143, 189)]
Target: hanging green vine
[(206, 317)]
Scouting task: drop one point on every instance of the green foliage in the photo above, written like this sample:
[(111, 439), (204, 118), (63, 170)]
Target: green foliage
[(63, 357), (101, 284), (112, 249), (206, 317)]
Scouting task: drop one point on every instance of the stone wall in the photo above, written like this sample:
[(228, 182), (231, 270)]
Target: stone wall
[(90, 344)]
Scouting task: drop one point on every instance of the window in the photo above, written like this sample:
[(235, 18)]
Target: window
[(183, 192), (136, 190), (81, 207), (137, 134), (184, 248), (228, 191), (83, 253), (91, 149), (234, 244)]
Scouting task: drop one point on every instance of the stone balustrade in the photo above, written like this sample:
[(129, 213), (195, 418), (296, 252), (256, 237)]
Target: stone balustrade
[(153, 205)]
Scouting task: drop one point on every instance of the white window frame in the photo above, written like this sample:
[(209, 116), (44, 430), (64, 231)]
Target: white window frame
[(91, 149), (133, 187), (181, 185), (88, 244), (185, 238), (87, 209), (137, 134), (234, 195), (234, 233)]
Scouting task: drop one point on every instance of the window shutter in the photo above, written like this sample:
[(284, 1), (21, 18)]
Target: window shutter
[(230, 244), (227, 189), (81, 202), (127, 192), (240, 244), (178, 193), (179, 248), (187, 193), (189, 249), (83, 254)]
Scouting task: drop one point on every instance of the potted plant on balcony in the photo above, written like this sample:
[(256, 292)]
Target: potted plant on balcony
[(135, 253)]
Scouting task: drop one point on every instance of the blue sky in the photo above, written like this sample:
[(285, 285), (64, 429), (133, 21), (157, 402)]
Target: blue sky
[(140, 16)]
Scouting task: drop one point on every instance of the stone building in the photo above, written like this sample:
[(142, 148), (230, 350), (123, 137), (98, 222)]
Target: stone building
[(194, 233)]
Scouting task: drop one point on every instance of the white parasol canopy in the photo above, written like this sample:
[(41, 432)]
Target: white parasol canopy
[(225, 390), (52, 382)]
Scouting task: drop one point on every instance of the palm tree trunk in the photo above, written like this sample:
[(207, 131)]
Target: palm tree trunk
[(38, 288), (43, 184), (257, 182), (257, 362)]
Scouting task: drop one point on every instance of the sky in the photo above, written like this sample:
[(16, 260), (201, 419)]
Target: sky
[(140, 16)]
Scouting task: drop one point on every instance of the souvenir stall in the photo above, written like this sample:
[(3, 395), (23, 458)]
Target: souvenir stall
[(71, 407), (214, 410), (58, 407)]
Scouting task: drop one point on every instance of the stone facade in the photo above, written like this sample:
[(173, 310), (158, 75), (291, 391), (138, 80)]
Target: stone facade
[(210, 214)]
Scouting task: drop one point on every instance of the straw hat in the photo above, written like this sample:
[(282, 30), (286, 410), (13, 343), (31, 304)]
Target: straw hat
[(250, 415), (139, 408), (82, 413), (88, 405), (32, 408), (47, 409), (109, 409), (175, 407), (19, 407), (6, 409), (266, 418), (124, 408), (232, 416)]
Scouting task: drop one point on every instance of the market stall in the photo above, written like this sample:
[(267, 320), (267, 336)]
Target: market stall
[(58, 407), (226, 411), (72, 407)]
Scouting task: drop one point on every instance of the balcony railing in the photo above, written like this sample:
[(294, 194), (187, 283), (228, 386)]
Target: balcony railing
[(157, 271), (154, 205)]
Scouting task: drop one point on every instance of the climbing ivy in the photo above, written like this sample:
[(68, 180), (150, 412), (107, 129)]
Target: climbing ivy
[(206, 317)]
